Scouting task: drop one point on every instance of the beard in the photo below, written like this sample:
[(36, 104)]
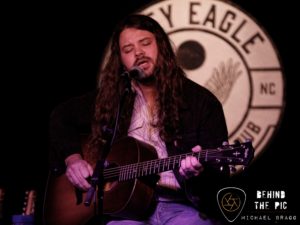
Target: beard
[(147, 80)]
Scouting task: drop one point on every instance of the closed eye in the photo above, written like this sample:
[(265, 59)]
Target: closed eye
[(127, 48), (146, 41)]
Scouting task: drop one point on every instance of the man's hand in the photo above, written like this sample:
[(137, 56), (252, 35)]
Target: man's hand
[(190, 166), (78, 170)]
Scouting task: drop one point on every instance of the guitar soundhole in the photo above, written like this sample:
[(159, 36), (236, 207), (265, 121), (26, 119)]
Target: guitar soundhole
[(111, 182), (110, 185)]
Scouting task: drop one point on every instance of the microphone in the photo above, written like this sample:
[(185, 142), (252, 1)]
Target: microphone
[(136, 73)]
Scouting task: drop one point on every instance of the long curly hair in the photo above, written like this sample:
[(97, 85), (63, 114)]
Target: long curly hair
[(169, 79)]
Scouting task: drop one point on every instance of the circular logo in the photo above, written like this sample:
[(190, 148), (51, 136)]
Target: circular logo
[(222, 48), (231, 202)]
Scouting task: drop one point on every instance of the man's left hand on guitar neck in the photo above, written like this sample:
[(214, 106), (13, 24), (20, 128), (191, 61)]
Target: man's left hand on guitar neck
[(190, 166)]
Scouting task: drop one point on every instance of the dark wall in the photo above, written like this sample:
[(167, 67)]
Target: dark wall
[(52, 53)]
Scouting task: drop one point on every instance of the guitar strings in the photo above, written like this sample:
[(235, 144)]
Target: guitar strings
[(172, 159), (154, 166)]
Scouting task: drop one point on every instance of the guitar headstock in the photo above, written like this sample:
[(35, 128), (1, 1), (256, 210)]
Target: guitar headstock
[(232, 155), (29, 203)]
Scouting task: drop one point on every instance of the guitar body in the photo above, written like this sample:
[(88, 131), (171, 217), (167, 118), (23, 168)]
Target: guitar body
[(121, 199), (129, 180)]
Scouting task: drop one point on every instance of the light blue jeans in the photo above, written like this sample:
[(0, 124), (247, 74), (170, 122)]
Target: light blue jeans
[(169, 213)]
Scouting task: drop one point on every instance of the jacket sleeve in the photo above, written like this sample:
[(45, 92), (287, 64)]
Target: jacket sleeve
[(212, 130), (68, 122), (205, 126)]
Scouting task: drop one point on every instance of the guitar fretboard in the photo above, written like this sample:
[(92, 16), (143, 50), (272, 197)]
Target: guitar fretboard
[(151, 167), (230, 155)]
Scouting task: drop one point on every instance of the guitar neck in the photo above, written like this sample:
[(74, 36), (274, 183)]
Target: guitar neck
[(151, 167), (146, 168)]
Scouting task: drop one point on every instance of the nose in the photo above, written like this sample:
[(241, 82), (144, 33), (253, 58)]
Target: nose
[(139, 52)]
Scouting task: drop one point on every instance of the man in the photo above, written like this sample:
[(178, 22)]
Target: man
[(163, 108)]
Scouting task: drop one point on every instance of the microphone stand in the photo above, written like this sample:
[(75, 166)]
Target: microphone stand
[(97, 179)]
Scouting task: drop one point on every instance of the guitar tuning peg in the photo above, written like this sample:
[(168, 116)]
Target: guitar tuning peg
[(225, 143), (232, 169)]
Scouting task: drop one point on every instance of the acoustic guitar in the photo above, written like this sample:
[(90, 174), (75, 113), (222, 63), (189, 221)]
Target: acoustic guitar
[(127, 191)]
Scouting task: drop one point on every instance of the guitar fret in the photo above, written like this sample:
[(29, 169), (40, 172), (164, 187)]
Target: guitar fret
[(144, 168), (121, 174), (126, 173), (147, 167), (130, 171), (177, 161), (157, 164), (135, 171), (139, 168), (163, 164), (151, 168), (174, 162)]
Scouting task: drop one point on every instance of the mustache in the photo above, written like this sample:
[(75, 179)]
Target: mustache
[(142, 60)]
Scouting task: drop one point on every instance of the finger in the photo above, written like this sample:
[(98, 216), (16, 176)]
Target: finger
[(192, 163), (81, 183), (183, 164), (84, 184), (84, 170), (182, 168), (72, 178), (90, 169), (76, 173), (81, 173), (197, 148), (195, 164), (186, 163), (185, 168)]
